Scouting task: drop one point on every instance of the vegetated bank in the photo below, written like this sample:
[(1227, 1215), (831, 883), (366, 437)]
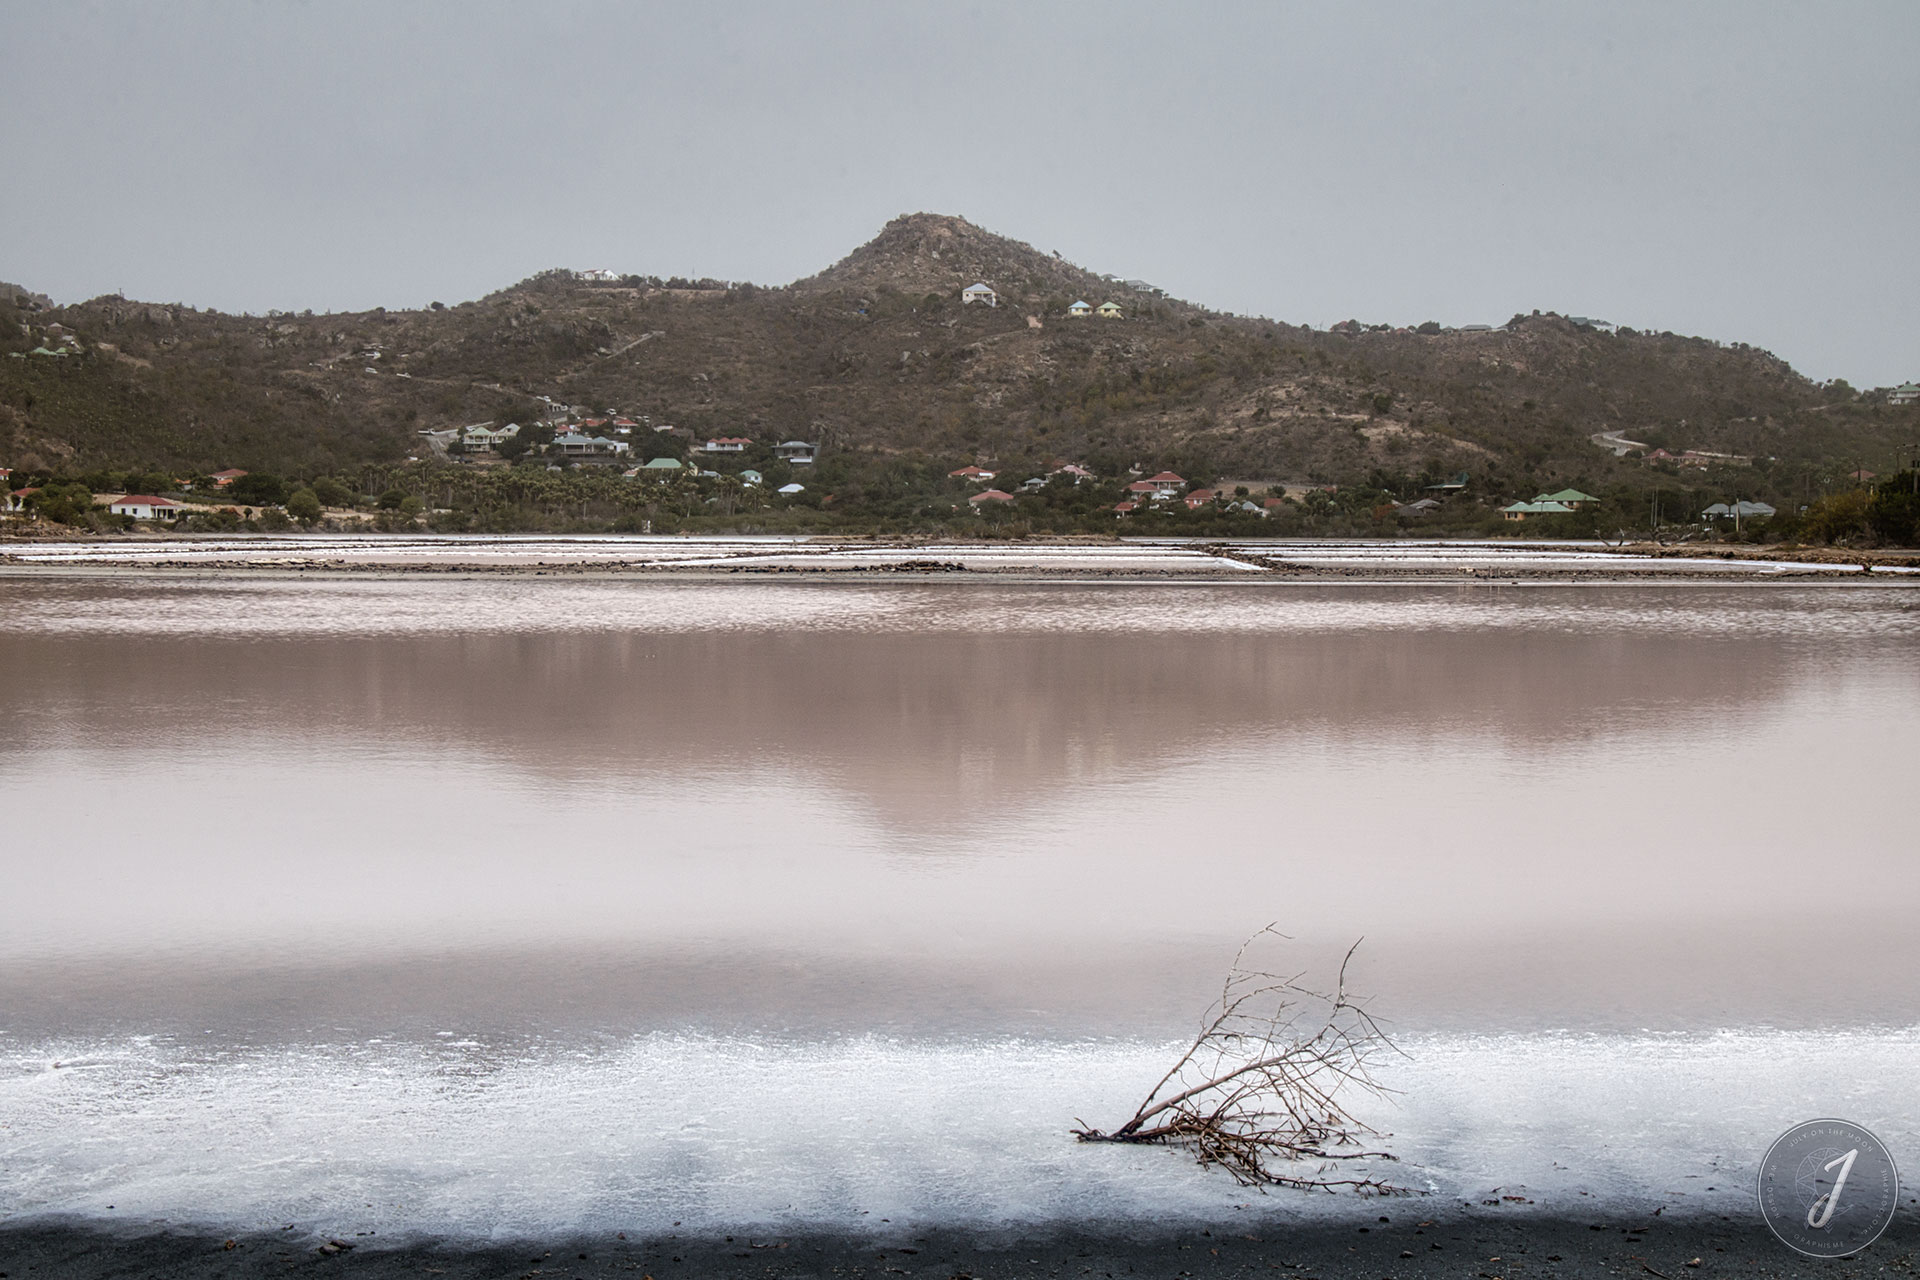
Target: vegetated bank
[(897, 382)]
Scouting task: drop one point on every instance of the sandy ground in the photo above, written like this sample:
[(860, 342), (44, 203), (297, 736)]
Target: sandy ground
[(1395, 1244)]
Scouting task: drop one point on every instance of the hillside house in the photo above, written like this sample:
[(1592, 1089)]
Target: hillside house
[(1078, 473), (17, 500), (989, 495), (796, 453), (1528, 510), (222, 479), (144, 506), (1111, 311), (1033, 484), (1445, 487), (728, 444), (970, 473), (788, 490), (1905, 393), (586, 448), (1123, 509), (979, 293), (660, 468), (1199, 498), (751, 479), (1081, 308), (1572, 499)]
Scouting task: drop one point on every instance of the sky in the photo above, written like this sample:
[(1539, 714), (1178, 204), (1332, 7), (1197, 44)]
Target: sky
[(1741, 171)]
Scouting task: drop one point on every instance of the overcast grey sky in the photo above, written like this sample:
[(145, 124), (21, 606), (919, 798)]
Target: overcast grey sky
[(1744, 171)]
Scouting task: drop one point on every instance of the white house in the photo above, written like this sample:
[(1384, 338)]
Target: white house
[(728, 444), (1905, 393), (979, 293), (790, 489), (144, 506), (797, 452), (1080, 308)]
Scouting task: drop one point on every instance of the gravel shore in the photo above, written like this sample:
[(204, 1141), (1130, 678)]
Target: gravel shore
[(1396, 1244)]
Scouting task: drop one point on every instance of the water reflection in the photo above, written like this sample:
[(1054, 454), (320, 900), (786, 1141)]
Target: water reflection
[(917, 807)]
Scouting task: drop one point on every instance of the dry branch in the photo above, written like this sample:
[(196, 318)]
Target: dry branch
[(1265, 1089)]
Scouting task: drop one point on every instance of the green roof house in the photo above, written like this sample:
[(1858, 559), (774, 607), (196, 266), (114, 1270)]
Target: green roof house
[(1573, 498), (1538, 507), (662, 465)]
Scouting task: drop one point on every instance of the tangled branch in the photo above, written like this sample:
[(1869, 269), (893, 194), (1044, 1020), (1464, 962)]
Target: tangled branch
[(1265, 1089)]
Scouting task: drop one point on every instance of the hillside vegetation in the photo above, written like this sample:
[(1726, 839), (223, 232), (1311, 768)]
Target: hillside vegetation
[(877, 360)]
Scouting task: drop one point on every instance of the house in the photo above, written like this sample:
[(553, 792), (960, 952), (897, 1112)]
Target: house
[(1199, 498), (1111, 311), (728, 444), (1905, 393), (970, 473), (788, 490), (17, 500), (597, 275), (222, 479), (1454, 485), (989, 495), (144, 506), (1165, 477), (1273, 504), (1527, 510), (1737, 511), (750, 478), (591, 448), (660, 468), (1074, 469), (1661, 455), (1247, 508), (1572, 499), (1122, 509), (1863, 475), (1416, 510), (979, 293), (796, 452), (1033, 484), (1080, 309)]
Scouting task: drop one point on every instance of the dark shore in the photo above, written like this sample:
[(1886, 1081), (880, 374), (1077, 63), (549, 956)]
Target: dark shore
[(1407, 1244)]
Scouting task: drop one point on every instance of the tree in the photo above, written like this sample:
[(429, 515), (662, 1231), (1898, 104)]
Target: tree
[(304, 505), (258, 489), (332, 493), (1268, 1083), (393, 499)]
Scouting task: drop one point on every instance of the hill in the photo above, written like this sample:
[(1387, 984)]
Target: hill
[(877, 358)]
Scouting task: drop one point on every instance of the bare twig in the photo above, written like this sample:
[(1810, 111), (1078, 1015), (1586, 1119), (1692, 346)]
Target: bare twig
[(1264, 1089)]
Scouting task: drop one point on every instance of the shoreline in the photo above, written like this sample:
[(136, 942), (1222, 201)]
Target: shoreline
[(1391, 1238)]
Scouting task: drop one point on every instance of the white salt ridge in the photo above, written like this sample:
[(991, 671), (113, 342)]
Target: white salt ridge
[(452, 1138), (766, 551)]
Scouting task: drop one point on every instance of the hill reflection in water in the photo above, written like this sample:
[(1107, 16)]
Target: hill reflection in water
[(962, 807)]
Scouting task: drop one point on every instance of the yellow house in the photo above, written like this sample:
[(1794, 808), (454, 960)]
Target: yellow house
[(1111, 311), (1080, 309)]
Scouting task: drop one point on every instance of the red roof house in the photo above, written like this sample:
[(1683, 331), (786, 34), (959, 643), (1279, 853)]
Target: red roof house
[(990, 495)]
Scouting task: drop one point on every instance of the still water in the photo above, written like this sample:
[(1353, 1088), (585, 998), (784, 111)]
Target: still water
[(499, 907)]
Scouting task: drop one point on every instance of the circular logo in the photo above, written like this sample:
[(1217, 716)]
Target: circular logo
[(1828, 1188)]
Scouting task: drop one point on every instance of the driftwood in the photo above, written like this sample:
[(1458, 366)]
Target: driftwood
[(1264, 1090)]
